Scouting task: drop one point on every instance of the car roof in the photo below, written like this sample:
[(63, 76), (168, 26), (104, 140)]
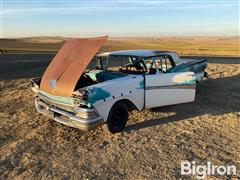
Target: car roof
[(136, 53)]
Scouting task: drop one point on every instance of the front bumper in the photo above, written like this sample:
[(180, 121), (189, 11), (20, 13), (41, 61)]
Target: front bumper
[(69, 119)]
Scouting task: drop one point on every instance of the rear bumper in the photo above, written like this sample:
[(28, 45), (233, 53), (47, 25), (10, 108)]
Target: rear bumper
[(201, 75), (69, 119), (205, 74)]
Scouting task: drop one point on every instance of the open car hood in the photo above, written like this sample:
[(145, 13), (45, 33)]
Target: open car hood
[(63, 73)]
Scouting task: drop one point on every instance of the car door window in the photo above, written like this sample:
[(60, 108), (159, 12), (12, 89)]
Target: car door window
[(151, 66), (158, 62)]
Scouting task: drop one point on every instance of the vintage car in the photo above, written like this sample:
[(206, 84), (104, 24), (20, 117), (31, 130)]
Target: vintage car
[(84, 90)]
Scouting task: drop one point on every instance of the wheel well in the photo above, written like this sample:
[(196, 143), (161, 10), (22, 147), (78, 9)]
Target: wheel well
[(130, 105)]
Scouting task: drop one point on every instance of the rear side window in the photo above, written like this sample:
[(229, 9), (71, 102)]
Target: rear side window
[(163, 63), (166, 63)]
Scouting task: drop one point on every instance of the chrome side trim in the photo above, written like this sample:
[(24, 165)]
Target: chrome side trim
[(177, 86)]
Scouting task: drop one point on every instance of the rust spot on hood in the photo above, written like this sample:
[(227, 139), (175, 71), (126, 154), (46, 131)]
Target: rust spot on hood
[(67, 66)]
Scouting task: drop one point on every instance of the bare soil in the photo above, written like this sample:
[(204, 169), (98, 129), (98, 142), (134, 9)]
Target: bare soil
[(152, 146)]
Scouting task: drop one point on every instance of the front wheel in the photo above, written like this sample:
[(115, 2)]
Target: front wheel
[(117, 118)]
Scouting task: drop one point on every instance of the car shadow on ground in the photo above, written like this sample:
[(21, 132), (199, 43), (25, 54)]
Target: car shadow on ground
[(210, 99)]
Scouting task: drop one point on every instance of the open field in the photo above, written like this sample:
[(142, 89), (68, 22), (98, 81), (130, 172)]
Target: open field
[(201, 46), (151, 147)]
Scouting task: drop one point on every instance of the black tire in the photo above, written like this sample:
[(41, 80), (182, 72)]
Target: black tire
[(117, 118)]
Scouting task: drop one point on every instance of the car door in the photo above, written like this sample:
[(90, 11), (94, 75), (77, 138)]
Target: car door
[(163, 89)]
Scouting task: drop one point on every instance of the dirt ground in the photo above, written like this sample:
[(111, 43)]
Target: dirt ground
[(152, 146)]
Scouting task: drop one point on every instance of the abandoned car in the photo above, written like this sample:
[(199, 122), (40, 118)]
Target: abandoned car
[(84, 90)]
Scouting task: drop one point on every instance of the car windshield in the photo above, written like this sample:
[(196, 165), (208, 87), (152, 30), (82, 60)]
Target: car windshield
[(125, 64)]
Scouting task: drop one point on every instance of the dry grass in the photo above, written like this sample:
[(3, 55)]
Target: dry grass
[(204, 46), (201, 46), (151, 147), (155, 140)]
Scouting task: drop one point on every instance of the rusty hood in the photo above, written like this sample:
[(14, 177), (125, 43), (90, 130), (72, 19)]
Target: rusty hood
[(63, 73)]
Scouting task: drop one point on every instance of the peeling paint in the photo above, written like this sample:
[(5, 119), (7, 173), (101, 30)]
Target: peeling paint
[(93, 74), (141, 85), (61, 99), (187, 82), (96, 95)]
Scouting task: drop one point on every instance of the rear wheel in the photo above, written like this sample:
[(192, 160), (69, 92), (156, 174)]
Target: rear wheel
[(117, 118)]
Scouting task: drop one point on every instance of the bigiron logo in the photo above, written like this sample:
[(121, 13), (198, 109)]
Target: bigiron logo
[(201, 171)]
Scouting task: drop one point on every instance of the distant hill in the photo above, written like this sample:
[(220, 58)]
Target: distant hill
[(39, 44), (43, 39)]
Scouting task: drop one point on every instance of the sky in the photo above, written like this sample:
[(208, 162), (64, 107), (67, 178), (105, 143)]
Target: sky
[(119, 18)]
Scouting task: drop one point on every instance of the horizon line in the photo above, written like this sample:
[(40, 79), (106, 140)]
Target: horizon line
[(66, 37)]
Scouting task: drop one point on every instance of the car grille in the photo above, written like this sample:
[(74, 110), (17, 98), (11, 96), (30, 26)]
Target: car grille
[(50, 102)]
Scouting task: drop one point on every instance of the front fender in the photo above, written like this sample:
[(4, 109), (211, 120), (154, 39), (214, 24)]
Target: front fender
[(102, 96), (103, 107)]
